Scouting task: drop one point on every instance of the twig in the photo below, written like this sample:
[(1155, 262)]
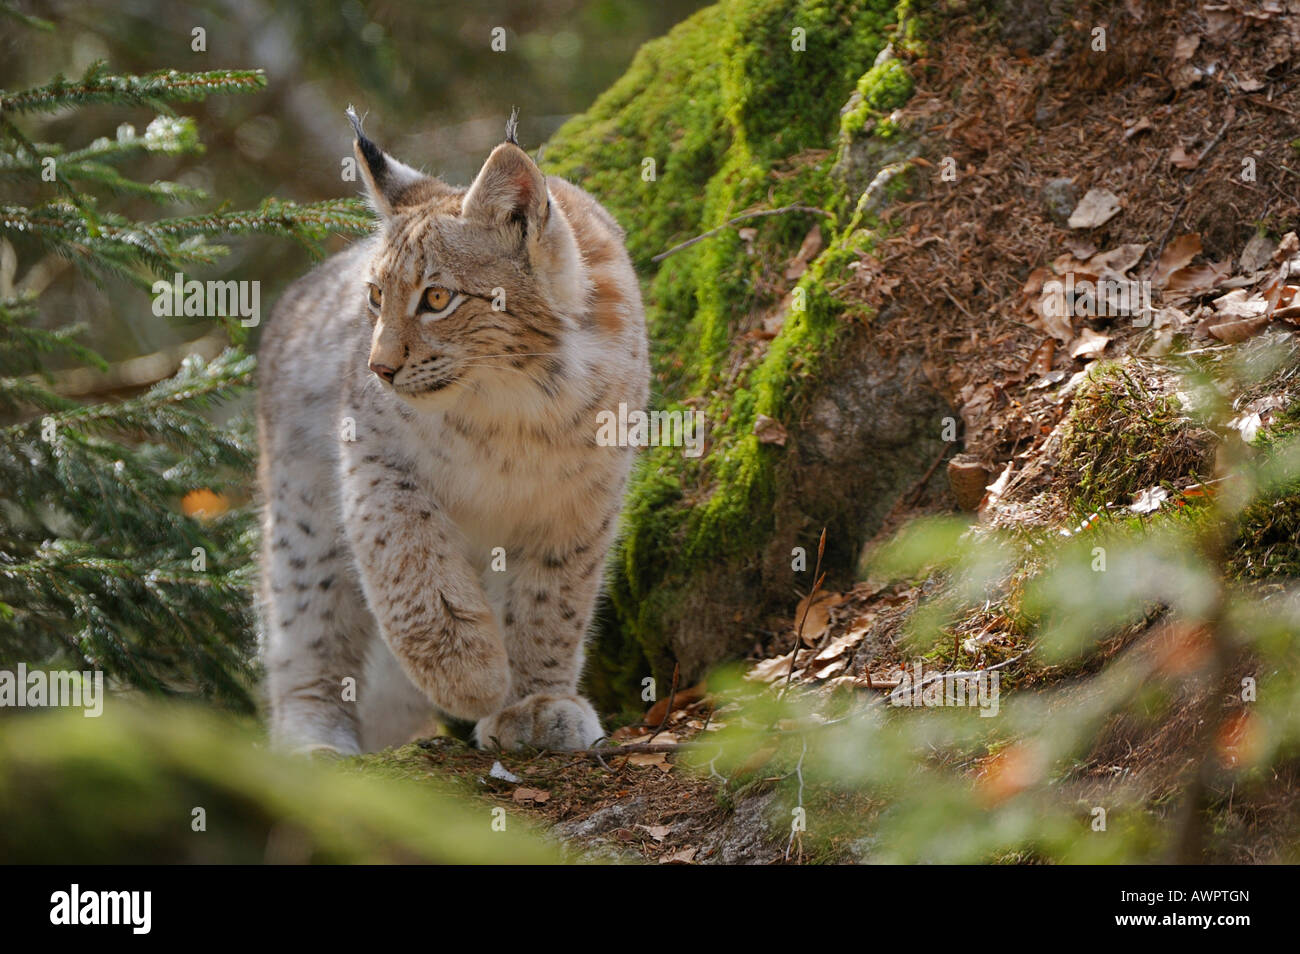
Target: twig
[(735, 221), (818, 576), (672, 694), (920, 484)]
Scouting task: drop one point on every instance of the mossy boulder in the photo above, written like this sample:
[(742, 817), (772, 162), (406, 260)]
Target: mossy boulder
[(739, 109)]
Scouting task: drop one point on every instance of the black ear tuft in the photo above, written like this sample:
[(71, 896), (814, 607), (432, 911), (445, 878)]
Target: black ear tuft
[(512, 126), (372, 154)]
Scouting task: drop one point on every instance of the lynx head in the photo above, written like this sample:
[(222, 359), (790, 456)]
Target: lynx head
[(468, 288)]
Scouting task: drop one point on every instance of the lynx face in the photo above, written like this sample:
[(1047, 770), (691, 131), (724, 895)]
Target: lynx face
[(469, 288)]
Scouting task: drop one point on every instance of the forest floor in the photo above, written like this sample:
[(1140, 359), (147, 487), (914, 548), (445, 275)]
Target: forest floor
[(1172, 154)]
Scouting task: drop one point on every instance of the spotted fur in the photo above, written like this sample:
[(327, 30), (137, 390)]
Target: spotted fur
[(402, 445)]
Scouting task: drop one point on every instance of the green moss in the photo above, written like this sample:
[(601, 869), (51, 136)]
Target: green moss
[(735, 119), (1124, 434), (1267, 543), (882, 89)]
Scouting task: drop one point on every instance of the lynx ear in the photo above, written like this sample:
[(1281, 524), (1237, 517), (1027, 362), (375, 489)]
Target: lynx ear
[(389, 183), (510, 189)]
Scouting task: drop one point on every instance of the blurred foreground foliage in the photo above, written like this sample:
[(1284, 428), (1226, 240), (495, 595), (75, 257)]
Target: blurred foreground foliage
[(128, 787)]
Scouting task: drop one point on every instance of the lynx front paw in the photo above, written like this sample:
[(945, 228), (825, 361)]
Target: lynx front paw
[(544, 721)]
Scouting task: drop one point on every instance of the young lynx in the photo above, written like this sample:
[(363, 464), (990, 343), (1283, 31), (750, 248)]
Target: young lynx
[(438, 507)]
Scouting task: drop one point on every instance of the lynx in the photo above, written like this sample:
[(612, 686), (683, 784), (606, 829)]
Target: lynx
[(438, 509)]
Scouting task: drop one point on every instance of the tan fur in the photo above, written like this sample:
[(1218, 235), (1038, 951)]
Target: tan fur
[(381, 548)]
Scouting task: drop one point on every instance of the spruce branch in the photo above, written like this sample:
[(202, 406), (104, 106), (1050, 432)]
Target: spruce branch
[(155, 90)]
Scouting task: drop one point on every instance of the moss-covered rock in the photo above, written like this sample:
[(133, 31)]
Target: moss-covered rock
[(739, 109)]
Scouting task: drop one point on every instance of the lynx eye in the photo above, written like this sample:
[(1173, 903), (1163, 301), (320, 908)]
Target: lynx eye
[(376, 296), (437, 298)]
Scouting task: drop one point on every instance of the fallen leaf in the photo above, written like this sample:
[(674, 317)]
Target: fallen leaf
[(1234, 332), (1089, 344), (812, 244), (1185, 46), (657, 760), (1257, 253), (680, 700), (768, 670), (769, 430), (819, 615), (1180, 158), (531, 796), (1040, 362), (1118, 260), (1096, 208), (1240, 304), (1177, 254), (657, 832), (996, 489), (1142, 125), (684, 857), (839, 646), (1199, 279)]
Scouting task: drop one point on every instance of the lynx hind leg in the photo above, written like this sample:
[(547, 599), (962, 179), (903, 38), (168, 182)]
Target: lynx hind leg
[(394, 710), (544, 720), (317, 632)]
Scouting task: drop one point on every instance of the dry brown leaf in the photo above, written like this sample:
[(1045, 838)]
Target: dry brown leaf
[(657, 760), (1240, 304), (768, 670), (1185, 46), (684, 857), (1257, 253), (657, 832), (812, 244), (1089, 344), (1118, 260), (1096, 208), (819, 614), (1237, 331), (769, 430), (840, 645), (1199, 279), (1142, 125), (1179, 157), (531, 796), (1040, 362), (680, 700), (1177, 254)]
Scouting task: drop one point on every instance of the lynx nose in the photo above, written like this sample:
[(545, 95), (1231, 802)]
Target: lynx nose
[(383, 370)]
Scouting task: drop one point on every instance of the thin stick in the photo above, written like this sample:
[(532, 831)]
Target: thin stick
[(672, 694), (817, 585), (738, 219)]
